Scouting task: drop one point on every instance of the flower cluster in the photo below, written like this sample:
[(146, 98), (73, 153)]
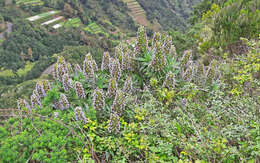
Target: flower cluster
[(124, 61), (115, 69), (118, 103), (159, 60), (22, 103), (169, 81), (128, 86), (98, 99), (112, 87), (119, 51), (79, 115), (69, 68), (80, 90), (46, 85), (77, 69), (42, 87), (142, 42), (187, 56), (35, 100), (127, 62), (56, 114), (156, 39), (173, 52), (114, 123), (167, 44), (60, 68), (188, 72), (66, 82), (88, 69), (105, 61), (63, 102), (88, 58)]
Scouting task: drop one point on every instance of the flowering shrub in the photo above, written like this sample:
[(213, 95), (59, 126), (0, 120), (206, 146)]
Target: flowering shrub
[(98, 99), (146, 105)]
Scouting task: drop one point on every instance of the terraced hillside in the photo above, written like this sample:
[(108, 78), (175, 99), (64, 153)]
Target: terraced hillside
[(139, 14), (29, 2)]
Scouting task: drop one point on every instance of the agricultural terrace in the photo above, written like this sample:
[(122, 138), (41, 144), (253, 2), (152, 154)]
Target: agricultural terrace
[(30, 2), (52, 20), (139, 15), (43, 15), (93, 28), (135, 7), (74, 22)]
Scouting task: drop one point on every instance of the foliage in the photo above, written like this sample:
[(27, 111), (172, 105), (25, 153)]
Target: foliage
[(171, 14), (178, 111)]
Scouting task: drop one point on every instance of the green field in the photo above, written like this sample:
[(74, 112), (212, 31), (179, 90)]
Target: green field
[(43, 15), (74, 22), (30, 2), (93, 28)]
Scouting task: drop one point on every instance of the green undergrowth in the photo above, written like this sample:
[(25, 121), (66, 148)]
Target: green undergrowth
[(145, 103)]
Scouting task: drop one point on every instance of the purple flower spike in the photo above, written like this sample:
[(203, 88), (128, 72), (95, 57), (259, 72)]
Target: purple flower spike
[(66, 82), (114, 123), (112, 87), (79, 115), (105, 61), (98, 99), (35, 100), (80, 90), (63, 102)]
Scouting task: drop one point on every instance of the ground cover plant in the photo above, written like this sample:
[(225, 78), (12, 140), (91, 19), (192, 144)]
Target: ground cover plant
[(145, 103)]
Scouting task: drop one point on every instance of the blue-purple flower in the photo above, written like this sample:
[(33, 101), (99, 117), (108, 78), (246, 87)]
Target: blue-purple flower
[(35, 101), (63, 102), (105, 61), (98, 99), (119, 102), (66, 82), (114, 123), (79, 115), (80, 90), (128, 86), (112, 87)]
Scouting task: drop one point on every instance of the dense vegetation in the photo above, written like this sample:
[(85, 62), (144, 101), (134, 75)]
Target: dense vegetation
[(171, 14), (159, 97), (29, 46), (146, 103)]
